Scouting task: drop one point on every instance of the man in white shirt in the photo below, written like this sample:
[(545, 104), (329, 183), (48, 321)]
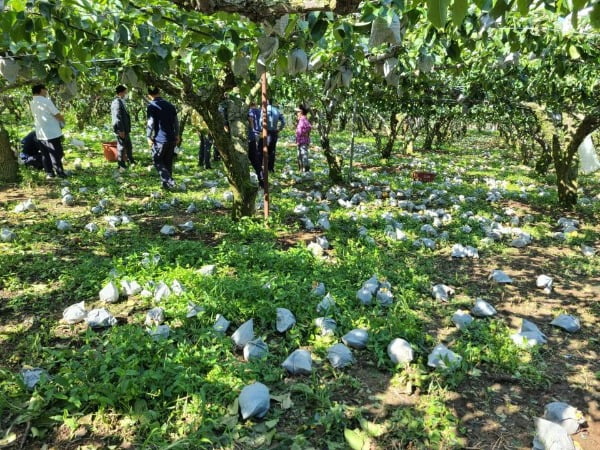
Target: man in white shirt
[(48, 129)]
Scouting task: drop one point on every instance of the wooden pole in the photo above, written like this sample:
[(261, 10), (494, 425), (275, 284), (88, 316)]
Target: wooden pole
[(265, 148), (352, 141)]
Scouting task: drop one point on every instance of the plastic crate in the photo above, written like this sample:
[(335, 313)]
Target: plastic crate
[(110, 151), (425, 177)]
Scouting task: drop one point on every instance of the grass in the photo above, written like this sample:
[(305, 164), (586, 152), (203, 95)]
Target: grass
[(121, 385)]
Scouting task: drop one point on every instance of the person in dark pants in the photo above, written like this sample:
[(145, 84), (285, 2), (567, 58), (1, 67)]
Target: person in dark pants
[(48, 129), (254, 134), (206, 143), (30, 152), (121, 123), (275, 123), (163, 135)]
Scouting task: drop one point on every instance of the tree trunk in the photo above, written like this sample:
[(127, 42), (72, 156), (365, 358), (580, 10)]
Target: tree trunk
[(566, 182), (324, 122), (545, 159), (9, 168), (185, 118), (333, 161), (233, 149), (428, 142), (563, 140), (344, 120), (389, 146), (525, 151), (440, 134)]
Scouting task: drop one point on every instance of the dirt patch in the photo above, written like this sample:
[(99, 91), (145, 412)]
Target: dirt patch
[(498, 411), (285, 241), (501, 415), (46, 202)]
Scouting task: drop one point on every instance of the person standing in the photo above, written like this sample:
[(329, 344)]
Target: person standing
[(121, 123), (275, 123), (48, 129), (163, 135), (254, 133), (206, 143), (303, 138)]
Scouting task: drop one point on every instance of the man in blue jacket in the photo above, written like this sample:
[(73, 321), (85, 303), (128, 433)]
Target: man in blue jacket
[(275, 123), (254, 135), (163, 135)]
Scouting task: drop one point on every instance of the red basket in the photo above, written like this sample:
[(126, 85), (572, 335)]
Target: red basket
[(425, 177), (110, 151)]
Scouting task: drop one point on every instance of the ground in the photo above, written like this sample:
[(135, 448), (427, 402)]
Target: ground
[(488, 405)]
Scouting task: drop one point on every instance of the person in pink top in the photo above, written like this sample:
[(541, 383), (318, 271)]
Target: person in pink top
[(303, 138)]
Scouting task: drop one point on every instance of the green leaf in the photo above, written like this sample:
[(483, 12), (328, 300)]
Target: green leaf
[(45, 9), (59, 49), (79, 51), (65, 73), (235, 37), (17, 32), (232, 410), (161, 51), (357, 440), (271, 423), (437, 12), (224, 54), (372, 429), (459, 11), (499, 9), (573, 52), (60, 35), (303, 388), (284, 399), (18, 5), (318, 30), (523, 6), (123, 34), (367, 11), (157, 64), (339, 33)]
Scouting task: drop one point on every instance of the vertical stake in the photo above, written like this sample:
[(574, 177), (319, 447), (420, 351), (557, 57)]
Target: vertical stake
[(265, 148), (352, 141)]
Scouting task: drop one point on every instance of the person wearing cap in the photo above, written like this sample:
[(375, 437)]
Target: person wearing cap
[(162, 132), (48, 129), (303, 138), (121, 123)]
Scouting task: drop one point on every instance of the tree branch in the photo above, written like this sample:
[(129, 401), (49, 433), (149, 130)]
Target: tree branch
[(589, 124), (259, 10)]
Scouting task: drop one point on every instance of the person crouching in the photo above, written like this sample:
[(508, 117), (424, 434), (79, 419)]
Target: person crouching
[(30, 152)]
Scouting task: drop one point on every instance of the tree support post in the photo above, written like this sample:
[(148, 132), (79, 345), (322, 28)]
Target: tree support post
[(265, 148), (352, 141)]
